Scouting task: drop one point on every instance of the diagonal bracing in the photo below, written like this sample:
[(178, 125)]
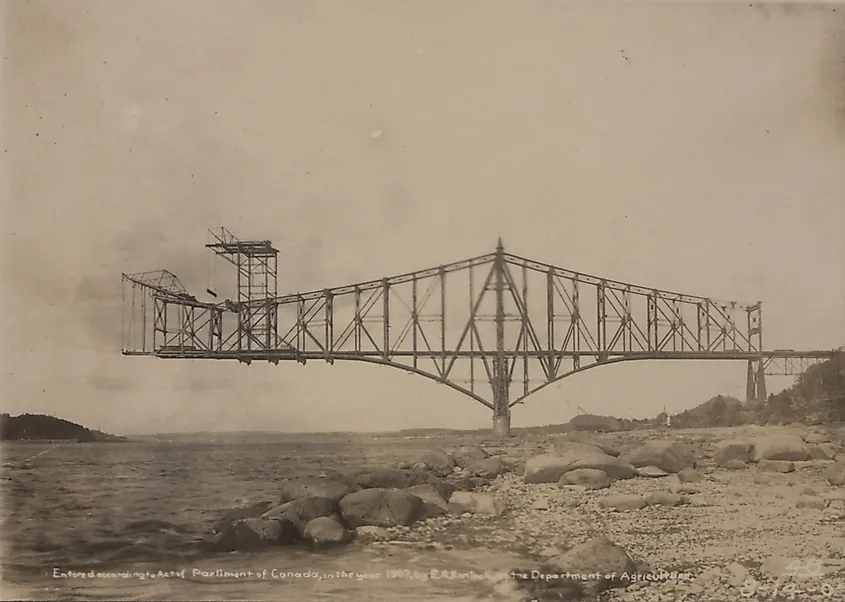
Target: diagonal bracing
[(496, 327)]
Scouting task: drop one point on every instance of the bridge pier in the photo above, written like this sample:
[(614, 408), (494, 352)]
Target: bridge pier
[(755, 381), (502, 426)]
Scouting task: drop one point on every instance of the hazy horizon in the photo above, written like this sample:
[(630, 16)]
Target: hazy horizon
[(696, 147)]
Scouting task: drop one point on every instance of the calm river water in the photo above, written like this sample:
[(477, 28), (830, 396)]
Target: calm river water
[(136, 516)]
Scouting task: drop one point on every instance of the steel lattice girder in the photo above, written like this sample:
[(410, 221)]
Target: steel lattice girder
[(463, 324)]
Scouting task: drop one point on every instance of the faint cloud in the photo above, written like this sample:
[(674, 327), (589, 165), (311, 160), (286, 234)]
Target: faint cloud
[(109, 383), (130, 117)]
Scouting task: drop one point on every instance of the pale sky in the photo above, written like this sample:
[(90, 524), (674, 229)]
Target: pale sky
[(689, 147)]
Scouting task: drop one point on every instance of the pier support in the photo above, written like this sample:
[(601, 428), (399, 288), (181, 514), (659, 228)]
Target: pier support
[(501, 374), (755, 381), (502, 426)]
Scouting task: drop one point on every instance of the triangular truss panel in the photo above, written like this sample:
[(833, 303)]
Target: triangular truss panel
[(497, 327)]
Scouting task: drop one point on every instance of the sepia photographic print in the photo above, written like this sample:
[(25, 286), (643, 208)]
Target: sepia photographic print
[(384, 300)]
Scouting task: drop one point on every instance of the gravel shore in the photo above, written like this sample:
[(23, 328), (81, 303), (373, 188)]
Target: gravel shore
[(734, 534)]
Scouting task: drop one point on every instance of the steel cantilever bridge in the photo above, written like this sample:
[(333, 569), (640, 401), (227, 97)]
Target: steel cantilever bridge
[(471, 325)]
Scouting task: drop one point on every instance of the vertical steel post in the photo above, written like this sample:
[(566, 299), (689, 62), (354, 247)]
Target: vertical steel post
[(386, 313), (761, 366), (414, 316), (550, 317), (525, 325), (329, 327), (472, 330), (443, 320), (501, 405), (601, 323)]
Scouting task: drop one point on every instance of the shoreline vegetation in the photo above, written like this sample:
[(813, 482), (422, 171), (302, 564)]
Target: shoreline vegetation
[(38, 428)]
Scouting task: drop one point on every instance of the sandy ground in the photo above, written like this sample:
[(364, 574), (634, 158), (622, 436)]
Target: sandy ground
[(737, 538)]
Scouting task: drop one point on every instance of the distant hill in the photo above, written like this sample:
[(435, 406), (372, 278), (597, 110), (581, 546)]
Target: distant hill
[(35, 427), (817, 397), (718, 411)]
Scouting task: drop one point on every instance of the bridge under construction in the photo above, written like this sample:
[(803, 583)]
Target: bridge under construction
[(471, 325)]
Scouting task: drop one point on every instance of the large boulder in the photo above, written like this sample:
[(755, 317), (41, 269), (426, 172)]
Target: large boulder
[(835, 474), (443, 487), (790, 448), (236, 514), (467, 483), (598, 556), (690, 475), (783, 466), (390, 478), (370, 534), (475, 503), (466, 455), (664, 498), (671, 456), (251, 534), (302, 511), (824, 451), (566, 445), (433, 501), (547, 468), (294, 489), (731, 449), (326, 531), (488, 468), (381, 507), (589, 478), (623, 501), (438, 463)]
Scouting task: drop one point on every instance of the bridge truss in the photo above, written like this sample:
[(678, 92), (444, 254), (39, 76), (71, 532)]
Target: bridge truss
[(497, 327)]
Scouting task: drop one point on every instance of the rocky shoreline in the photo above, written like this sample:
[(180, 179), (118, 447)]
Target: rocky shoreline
[(710, 514)]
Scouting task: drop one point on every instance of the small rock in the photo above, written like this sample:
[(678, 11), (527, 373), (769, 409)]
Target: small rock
[(782, 466), (488, 468), (325, 531), (833, 496), (737, 574), (541, 504), (731, 449), (735, 465), (664, 498), (690, 475), (623, 501), (588, 478), (651, 472), (370, 533), (475, 503), (683, 488), (835, 473), (467, 455), (811, 501)]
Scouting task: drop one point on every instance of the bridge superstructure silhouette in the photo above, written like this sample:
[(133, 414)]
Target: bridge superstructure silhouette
[(476, 325)]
